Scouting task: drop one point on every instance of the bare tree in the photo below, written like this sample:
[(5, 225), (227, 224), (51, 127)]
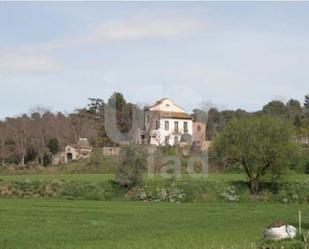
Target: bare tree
[(19, 132), (83, 124), (3, 137), (39, 133)]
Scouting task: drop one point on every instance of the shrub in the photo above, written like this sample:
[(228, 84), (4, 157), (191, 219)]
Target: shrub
[(229, 194), (293, 193), (132, 166), (171, 194)]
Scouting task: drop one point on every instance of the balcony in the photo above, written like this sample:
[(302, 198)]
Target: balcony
[(179, 132)]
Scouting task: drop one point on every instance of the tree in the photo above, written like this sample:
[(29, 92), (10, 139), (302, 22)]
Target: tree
[(82, 124), (295, 115), (39, 133), (53, 145), (306, 105), (19, 132), (217, 120), (276, 108), (260, 144), (199, 116), (3, 137), (294, 109), (124, 118), (131, 168), (213, 123)]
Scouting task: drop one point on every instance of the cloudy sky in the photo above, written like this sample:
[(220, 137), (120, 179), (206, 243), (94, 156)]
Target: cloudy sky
[(235, 55)]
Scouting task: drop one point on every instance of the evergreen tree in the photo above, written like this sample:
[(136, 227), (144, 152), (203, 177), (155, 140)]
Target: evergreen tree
[(53, 146)]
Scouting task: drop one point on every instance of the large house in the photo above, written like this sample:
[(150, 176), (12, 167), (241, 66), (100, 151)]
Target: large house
[(167, 124)]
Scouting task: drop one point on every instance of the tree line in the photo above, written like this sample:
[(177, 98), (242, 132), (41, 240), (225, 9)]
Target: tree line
[(35, 137), (294, 112)]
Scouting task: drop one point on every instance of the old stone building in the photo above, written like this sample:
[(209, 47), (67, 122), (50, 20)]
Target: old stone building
[(78, 151), (73, 152)]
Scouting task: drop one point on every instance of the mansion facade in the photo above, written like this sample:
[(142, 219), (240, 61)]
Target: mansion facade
[(166, 123)]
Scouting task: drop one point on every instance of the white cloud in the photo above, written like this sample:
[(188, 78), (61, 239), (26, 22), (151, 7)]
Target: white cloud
[(35, 57), (126, 30), (140, 30), (18, 63)]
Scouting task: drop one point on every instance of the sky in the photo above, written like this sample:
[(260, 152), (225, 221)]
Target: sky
[(231, 54)]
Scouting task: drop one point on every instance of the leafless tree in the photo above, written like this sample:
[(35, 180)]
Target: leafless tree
[(40, 133), (19, 132), (83, 124), (3, 137)]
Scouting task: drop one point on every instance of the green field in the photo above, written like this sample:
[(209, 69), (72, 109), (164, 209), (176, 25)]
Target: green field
[(42, 223), (54, 223)]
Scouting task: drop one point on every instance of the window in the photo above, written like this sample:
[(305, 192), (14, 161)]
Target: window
[(185, 127), (176, 126), (167, 125), (199, 128), (157, 124)]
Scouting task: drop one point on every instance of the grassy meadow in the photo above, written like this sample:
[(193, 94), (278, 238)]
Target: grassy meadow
[(59, 224), (62, 223)]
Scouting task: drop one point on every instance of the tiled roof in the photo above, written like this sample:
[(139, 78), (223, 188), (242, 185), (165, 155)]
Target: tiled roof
[(158, 102), (179, 115)]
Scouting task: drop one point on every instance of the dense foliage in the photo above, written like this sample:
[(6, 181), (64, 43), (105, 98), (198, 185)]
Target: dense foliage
[(260, 144)]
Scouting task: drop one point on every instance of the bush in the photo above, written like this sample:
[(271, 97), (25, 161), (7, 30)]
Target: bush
[(170, 190), (88, 191), (229, 194), (171, 194), (293, 193), (131, 167)]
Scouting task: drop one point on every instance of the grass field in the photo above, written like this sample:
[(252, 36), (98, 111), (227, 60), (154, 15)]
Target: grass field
[(53, 223), (105, 177)]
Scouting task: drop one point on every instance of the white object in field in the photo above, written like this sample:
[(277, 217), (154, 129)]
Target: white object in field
[(279, 233)]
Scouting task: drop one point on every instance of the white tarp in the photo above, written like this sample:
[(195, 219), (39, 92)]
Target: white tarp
[(278, 233)]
